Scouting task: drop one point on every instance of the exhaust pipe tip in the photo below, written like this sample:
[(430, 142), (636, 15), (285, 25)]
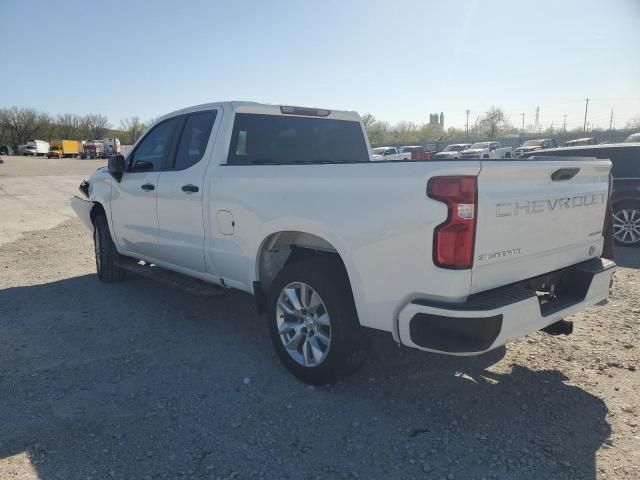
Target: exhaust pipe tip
[(561, 327)]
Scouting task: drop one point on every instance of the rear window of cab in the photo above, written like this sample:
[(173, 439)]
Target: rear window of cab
[(283, 139)]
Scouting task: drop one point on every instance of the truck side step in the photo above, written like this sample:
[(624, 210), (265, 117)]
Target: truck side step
[(173, 279)]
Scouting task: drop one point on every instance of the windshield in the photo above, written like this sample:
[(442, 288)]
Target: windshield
[(452, 148), (480, 145), (533, 143), (378, 151)]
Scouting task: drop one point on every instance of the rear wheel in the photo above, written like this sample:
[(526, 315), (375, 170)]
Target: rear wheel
[(313, 322), (626, 224), (106, 253)]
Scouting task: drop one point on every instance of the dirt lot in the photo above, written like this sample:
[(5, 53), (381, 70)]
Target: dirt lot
[(135, 380)]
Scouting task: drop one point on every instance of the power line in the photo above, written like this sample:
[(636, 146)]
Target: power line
[(467, 125), (586, 109), (611, 120)]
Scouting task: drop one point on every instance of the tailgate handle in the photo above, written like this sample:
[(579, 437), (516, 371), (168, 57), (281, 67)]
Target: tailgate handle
[(564, 174)]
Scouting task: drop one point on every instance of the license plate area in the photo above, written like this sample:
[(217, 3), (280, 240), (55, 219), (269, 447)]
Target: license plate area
[(560, 289)]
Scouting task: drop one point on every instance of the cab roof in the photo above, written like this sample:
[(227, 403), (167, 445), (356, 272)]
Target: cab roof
[(269, 109)]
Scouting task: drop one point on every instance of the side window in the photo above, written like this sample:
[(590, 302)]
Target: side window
[(152, 151), (194, 139)]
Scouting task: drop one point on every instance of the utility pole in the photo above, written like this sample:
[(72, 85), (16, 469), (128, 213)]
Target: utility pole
[(586, 109), (611, 120), (467, 124), (564, 125), (523, 114), (537, 127)]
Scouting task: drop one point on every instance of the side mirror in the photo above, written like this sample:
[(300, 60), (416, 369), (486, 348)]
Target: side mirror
[(115, 165), (492, 148)]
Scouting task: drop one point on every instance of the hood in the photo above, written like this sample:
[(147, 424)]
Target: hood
[(528, 149), (99, 173), (448, 154)]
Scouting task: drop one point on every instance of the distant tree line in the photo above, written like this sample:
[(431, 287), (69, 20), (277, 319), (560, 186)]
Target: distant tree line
[(492, 124), (18, 125)]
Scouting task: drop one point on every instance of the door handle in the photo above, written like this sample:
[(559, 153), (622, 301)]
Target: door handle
[(147, 187), (564, 174), (190, 189)]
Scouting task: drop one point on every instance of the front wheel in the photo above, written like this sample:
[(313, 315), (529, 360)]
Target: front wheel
[(106, 253), (626, 224), (313, 322)]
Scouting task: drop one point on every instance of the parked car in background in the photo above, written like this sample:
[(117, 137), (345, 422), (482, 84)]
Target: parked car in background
[(581, 141), (63, 149), (625, 193), (633, 138), (486, 150), (387, 153), (29, 151), (111, 146), (415, 152), (269, 200), (534, 145), (452, 151), (39, 148), (6, 150)]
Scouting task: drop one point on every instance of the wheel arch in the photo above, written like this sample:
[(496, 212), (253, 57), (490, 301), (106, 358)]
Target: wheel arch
[(282, 247), (97, 209)]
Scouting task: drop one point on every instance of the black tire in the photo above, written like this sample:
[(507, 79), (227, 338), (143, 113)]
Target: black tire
[(106, 253), (349, 342), (629, 206)]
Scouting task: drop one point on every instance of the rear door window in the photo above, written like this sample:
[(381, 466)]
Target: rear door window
[(194, 139), (284, 139)]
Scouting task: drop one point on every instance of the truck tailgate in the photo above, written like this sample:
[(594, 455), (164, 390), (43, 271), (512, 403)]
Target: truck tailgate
[(537, 215)]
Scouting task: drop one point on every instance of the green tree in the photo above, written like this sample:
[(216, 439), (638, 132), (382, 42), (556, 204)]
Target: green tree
[(494, 123), (134, 128), (633, 123)]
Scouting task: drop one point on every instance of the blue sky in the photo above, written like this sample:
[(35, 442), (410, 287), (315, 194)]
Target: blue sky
[(397, 59)]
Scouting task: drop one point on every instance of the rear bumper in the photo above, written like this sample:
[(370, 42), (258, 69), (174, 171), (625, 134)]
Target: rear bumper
[(490, 319)]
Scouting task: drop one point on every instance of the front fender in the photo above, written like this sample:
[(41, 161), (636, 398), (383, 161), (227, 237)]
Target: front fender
[(82, 208)]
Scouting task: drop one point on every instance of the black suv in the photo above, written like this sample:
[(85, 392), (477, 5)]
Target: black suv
[(625, 197)]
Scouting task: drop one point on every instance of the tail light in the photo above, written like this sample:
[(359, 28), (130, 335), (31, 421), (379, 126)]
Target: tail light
[(454, 239)]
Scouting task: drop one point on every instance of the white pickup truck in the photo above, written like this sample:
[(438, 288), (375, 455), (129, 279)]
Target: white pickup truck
[(485, 150), (388, 153), (457, 257)]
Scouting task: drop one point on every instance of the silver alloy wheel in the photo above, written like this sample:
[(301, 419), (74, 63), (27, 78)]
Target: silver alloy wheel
[(626, 225), (303, 324)]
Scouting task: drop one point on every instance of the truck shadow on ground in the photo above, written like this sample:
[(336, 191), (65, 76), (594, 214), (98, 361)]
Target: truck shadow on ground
[(135, 380)]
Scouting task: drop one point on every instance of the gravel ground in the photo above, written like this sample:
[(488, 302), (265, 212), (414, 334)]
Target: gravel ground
[(138, 381)]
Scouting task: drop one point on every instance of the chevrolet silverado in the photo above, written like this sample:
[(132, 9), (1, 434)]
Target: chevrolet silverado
[(456, 257)]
